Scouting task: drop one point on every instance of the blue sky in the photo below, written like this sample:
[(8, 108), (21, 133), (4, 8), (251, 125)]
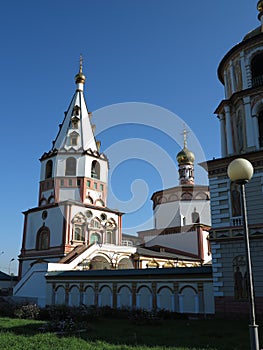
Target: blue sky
[(157, 52)]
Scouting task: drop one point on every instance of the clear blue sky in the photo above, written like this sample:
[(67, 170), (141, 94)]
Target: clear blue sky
[(164, 53)]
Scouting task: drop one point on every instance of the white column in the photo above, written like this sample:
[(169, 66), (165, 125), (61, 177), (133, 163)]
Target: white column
[(223, 135), (227, 93), (229, 138), (232, 76), (243, 70), (256, 130), (249, 124)]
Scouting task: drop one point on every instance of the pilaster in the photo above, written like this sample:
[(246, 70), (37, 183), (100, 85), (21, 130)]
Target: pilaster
[(229, 137)]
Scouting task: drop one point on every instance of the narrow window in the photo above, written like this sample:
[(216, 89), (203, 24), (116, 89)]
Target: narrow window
[(49, 166), (95, 169), (76, 110), (101, 187), (88, 183), (73, 141), (79, 233), (95, 185), (260, 128), (70, 182), (257, 70), (43, 236), (70, 166), (108, 237)]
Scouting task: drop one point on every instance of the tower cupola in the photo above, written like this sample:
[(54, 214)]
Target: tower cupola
[(185, 159)]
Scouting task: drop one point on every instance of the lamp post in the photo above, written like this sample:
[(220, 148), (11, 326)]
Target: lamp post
[(241, 171)]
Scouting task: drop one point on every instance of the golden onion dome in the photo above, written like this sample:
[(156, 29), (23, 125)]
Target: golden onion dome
[(185, 157)]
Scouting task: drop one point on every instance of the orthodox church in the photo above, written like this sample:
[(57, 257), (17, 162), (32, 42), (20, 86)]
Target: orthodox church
[(72, 228), (241, 126)]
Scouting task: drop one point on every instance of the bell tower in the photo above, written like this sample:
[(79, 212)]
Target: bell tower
[(240, 114), (74, 168), (72, 210)]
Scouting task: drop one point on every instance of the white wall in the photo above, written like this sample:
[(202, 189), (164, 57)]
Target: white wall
[(170, 214), (54, 222)]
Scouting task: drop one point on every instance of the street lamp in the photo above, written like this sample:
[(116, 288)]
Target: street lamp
[(241, 171)]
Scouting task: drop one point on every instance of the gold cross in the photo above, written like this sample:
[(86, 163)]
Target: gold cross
[(185, 132)]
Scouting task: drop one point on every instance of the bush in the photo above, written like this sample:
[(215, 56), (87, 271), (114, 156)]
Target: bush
[(142, 316), (30, 311)]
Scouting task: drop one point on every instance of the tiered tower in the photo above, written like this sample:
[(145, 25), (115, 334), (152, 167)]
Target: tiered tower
[(241, 125), (72, 209)]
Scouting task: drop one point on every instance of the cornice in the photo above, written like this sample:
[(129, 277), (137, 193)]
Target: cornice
[(219, 166), (235, 97), (235, 49)]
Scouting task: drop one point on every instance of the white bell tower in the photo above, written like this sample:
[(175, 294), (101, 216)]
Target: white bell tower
[(72, 210)]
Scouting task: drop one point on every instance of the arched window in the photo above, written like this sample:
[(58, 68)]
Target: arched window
[(73, 139), (70, 166), (43, 238), (95, 169), (74, 123), (195, 217), (76, 110), (260, 128), (95, 231), (49, 167), (111, 232), (235, 200), (79, 233), (257, 70), (95, 238), (79, 227)]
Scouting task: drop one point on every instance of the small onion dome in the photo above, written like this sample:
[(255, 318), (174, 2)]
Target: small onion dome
[(80, 78), (185, 157)]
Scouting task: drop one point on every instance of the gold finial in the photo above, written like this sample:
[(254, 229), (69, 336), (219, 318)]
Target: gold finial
[(80, 77)]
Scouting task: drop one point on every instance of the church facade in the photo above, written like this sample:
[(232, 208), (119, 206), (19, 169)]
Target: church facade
[(73, 231), (241, 126)]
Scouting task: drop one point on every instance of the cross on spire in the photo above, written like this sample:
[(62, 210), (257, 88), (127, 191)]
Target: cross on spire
[(185, 132), (80, 63)]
